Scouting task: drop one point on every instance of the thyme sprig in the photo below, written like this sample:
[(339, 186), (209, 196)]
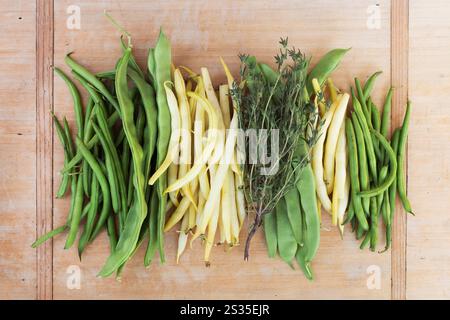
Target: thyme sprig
[(282, 104)]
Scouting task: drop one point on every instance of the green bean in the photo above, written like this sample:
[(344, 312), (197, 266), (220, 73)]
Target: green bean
[(368, 86), (287, 244), (270, 74), (294, 214), (270, 232), (142, 235), (306, 187), (367, 137), (360, 232), (363, 103), (386, 209), (111, 228), (392, 172), (85, 177), (366, 240), (76, 214), (73, 191), (48, 236), (386, 118), (125, 160), (151, 66), (92, 142), (362, 161), (374, 224), (110, 170), (148, 99), (70, 146), (87, 124), (326, 65), (73, 184), (392, 192), (305, 266), (159, 68), (104, 185), (78, 107), (132, 64), (376, 123), (86, 209), (91, 214), (153, 227), (301, 252), (135, 217), (130, 192), (63, 186), (88, 130), (92, 79), (354, 180), (350, 214), (111, 75), (119, 138), (140, 125), (380, 197), (103, 125), (401, 179)]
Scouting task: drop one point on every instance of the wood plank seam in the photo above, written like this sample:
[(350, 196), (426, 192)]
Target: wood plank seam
[(44, 145), (399, 80)]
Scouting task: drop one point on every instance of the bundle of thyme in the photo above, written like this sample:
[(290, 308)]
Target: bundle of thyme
[(266, 102)]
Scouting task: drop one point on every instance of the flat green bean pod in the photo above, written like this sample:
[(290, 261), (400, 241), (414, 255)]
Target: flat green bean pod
[(137, 214), (287, 244), (326, 65), (270, 232)]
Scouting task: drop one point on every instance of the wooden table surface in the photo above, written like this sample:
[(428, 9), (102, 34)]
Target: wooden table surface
[(408, 40)]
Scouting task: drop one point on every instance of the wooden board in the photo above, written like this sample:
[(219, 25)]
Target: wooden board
[(17, 150), (429, 154), (200, 32)]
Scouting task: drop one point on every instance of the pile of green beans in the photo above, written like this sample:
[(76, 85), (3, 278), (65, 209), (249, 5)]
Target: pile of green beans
[(376, 165), (122, 136)]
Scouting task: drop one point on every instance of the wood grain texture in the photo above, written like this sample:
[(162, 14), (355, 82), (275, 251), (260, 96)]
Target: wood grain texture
[(44, 146), (428, 255), (200, 32), (399, 79), (17, 149)]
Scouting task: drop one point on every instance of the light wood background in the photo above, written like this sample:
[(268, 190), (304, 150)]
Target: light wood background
[(411, 46)]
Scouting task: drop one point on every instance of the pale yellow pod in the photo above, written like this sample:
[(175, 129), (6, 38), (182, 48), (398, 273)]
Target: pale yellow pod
[(199, 129), (182, 237), (317, 159), (212, 98), (218, 179), (207, 150), (174, 136), (332, 90), (212, 228), (234, 218), (331, 141), (178, 214), (225, 217), (240, 198), (185, 137), (172, 174)]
